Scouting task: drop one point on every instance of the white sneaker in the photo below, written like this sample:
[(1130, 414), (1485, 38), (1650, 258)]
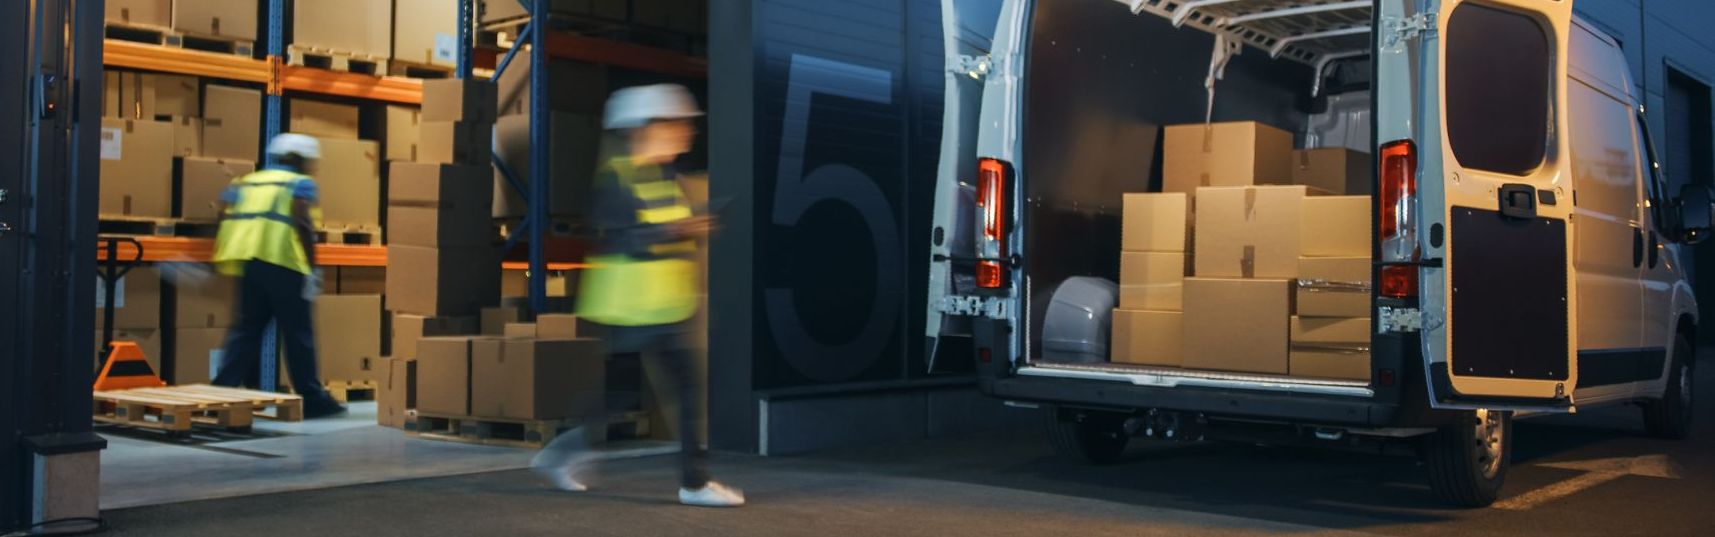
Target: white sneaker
[(712, 495), (562, 476)]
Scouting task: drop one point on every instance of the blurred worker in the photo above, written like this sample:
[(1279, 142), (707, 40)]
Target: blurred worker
[(267, 239), (643, 284)]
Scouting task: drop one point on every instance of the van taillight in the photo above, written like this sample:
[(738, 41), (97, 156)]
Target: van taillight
[(1398, 218), (991, 203)]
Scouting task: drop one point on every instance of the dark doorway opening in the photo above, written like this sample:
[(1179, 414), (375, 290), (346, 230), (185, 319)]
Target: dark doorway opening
[(1689, 161)]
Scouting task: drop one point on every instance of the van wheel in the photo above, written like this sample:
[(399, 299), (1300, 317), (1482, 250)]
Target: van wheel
[(1468, 460), (1670, 416), (1086, 436)]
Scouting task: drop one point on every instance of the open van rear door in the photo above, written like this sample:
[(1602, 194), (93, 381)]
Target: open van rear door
[(1481, 234)]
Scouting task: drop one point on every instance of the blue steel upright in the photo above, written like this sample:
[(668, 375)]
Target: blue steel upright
[(466, 16), (537, 197), (271, 113)]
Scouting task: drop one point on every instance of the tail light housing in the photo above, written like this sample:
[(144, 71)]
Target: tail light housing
[(1398, 218), (992, 188)]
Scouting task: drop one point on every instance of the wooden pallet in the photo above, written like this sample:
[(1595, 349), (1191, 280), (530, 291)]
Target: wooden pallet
[(397, 67), (520, 433), (167, 37), (346, 391), (336, 60), (352, 235), (177, 409), (154, 226)]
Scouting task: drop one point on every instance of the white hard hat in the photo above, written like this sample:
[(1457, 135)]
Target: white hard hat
[(635, 107), (295, 144)]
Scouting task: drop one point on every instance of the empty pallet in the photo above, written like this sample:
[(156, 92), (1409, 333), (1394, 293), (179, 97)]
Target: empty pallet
[(178, 408)]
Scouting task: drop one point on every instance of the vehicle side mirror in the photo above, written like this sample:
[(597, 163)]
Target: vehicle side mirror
[(1696, 213)]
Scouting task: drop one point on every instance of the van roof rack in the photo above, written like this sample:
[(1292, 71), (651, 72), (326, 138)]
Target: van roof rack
[(1313, 32)]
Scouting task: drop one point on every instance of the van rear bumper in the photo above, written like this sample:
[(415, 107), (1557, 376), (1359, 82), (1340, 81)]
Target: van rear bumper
[(1299, 408)]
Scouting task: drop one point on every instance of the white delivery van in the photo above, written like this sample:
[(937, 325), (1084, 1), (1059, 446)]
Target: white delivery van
[(1526, 257)]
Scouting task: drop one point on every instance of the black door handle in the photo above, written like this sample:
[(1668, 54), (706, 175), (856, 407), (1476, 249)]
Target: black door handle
[(1518, 201), (1637, 247), (1654, 249)]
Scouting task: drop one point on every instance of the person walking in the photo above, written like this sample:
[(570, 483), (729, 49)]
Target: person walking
[(643, 282), (267, 239)]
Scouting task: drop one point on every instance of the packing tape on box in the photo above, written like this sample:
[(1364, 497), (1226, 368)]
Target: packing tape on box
[(1325, 286), (1247, 262), (1250, 204)]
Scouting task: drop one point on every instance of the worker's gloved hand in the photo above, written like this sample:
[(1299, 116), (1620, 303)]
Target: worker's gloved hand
[(313, 284)]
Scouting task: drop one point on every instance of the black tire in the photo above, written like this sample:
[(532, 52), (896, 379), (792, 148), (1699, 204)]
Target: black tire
[(1468, 460), (1086, 437), (1670, 417)]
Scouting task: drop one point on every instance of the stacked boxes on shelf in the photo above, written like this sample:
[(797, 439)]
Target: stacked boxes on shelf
[(351, 29), (349, 172), (1148, 324), (425, 32), (221, 19)]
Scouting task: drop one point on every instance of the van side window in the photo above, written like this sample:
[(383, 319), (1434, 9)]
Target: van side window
[(1653, 177), (1498, 89)]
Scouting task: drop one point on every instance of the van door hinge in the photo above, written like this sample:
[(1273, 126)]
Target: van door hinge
[(1400, 320), (1421, 25), (975, 67), (975, 306)]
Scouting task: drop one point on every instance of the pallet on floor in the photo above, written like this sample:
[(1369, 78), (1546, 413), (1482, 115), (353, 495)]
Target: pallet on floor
[(521, 433), (346, 391), (336, 60), (167, 37), (177, 409), (350, 235)]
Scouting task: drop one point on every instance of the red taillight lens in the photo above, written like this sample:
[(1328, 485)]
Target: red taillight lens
[(1399, 281), (1398, 185), (991, 202), (990, 275)]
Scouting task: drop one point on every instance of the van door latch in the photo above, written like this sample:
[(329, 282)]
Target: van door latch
[(1400, 30), (975, 67)]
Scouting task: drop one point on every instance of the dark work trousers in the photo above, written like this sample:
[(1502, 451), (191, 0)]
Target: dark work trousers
[(268, 292), (667, 350)]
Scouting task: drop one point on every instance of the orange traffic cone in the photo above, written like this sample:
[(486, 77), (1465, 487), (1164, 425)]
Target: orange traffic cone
[(127, 368)]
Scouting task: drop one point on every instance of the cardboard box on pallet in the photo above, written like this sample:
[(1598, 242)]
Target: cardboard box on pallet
[(1156, 222), (1336, 170), (196, 354), (436, 205), (442, 281), (187, 136), (232, 123), (348, 337), (556, 326), (1237, 324), (1152, 281), (349, 178), (1249, 232), (1148, 338), (210, 303), (397, 393), (426, 32), (443, 375), (174, 95), (1336, 226), (466, 100), (1240, 153), (402, 133), (408, 329), (156, 13), (1333, 287), (136, 300), (361, 281), (322, 119), (456, 142), (348, 27), (218, 18), (572, 162), (579, 88), (204, 181), (136, 168), (536, 379)]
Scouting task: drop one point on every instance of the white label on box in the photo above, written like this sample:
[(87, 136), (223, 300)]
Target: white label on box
[(446, 47), (112, 143), (101, 293)]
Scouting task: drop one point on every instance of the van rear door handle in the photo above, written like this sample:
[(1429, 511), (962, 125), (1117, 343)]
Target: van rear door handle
[(1637, 247), (1518, 201)]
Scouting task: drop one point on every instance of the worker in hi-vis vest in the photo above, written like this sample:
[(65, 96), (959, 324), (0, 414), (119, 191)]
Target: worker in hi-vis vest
[(267, 239), (642, 284)]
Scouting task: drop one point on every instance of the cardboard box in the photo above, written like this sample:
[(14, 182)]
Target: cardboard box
[(187, 136), (349, 176), (1330, 331), (174, 95), (136, 300), (435, 205), (204, 181), (127, 96), (211, 303), (156, 13), (442, 281), (361, 281), (110, 90), (1241, 153), (136, 168), (443, 375), (348, 337), (323, 120), (1148, 338), (456, 142), (353, 27), (408, 329), (1347, 364), (1336, 226), (556, 326), (402, 133), (572, 164), (426, 32), (467, 100), (519, 330), (1237, 324), (579, 88), (514, 283), (1155, 222), (1152, 281), (149, 340), (494, 320), (1335, 170), (219, 18), (197, 354), (397, 393), (1333, 287), (1346, 270), (232, 123), (1249, 232), (538, 379)]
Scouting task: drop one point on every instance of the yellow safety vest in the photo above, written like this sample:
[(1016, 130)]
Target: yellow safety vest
[(259, 226), (620, 290)]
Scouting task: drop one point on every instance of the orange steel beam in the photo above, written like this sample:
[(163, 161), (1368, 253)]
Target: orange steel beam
[(618, 54), (380, 88), (116, 53), (180, 249)]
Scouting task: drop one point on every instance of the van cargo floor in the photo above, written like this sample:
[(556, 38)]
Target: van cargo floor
[(1168, 377)]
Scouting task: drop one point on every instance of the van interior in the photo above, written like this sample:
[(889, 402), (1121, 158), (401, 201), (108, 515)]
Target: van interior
[(1106, 77)]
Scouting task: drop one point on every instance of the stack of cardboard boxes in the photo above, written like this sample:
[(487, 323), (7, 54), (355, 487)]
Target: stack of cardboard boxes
[(1255, 237), (349, 172), (148, 120)]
